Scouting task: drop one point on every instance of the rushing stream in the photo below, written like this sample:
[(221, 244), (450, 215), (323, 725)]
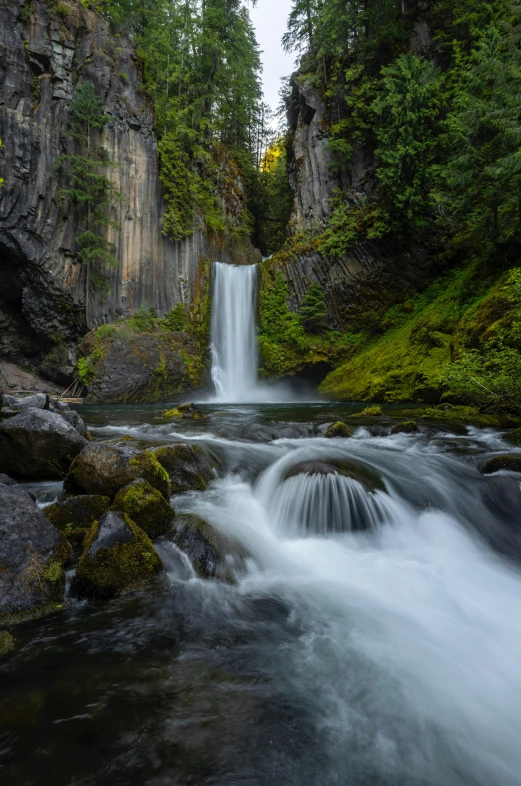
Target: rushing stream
[(388, 656)]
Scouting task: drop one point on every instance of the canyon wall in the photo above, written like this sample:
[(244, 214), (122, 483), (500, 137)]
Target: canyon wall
[(46, 50)]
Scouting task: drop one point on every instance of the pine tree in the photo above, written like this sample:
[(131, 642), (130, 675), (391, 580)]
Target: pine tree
[(89, 189), (313, 308)]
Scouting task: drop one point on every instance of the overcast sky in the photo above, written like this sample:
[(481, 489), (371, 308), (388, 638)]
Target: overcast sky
[(269, 18)]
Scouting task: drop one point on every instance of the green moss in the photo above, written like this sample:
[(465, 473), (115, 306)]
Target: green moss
[(80, 511), (405, 427), (146, 506), (172, 413), (7, 643), (147, 466), (112, 571), (370, 412), (338, 429), (510, 462)]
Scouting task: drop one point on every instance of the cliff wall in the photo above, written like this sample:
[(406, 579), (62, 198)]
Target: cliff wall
[(46, 49)]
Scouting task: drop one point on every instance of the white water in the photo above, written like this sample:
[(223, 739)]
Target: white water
[(234, 343), (411, 648)]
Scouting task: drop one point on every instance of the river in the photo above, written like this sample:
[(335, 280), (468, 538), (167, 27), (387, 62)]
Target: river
[(388, 656)]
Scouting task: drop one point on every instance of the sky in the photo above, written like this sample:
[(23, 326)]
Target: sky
[(269, 18)]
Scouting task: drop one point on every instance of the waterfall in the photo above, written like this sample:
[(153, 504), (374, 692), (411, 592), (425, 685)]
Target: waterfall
[(233, 340)]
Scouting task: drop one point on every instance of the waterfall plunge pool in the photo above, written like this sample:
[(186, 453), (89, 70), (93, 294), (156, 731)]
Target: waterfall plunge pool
[(383, 657)]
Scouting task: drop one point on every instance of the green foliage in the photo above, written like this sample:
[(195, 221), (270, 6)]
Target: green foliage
[(176, 319), (313, 309), (144, 319), (124, 77)]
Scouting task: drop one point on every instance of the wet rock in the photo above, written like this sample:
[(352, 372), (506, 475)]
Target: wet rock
[(188, 466), (514, 437), (72, 417), (103, 468), (38, 444), (146, 506), (117, 556), (511, 462), (212, 555), (338, 429), (349, 468), (32, 553), (77, 512), (186, 411), (36, 401), (407, 427)]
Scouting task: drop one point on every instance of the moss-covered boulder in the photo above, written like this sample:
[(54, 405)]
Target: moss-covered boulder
[(103, 469), (406, 427), (213, 555), (509, 461), (186, 411), (32, 553), (73, 512), (349, 468), (146, 506), (117, 556), (338, 429), (188, 466)]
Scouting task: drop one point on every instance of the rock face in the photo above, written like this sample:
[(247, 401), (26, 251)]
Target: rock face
[(38, 444), (46, 51), (32, 552), (146, 506), (117, 556)]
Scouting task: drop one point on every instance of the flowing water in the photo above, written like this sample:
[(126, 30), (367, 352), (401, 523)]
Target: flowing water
[(373, 637)]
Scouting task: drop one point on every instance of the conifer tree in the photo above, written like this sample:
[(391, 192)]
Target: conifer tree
[(313, 308)]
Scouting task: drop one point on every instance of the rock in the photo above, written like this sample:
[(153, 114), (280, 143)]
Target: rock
[(117, 556), (406, 427), (7, 642), (77, 512), (58, 406), (12, 377), (338, 429), (356, 470), (102, 468), (188, 467), (38, 444), (32, 553), (213, 556), (511, 462), (514, 437), (36, 401), (7, 481), (72, 417), (186, 411), (146, 506)]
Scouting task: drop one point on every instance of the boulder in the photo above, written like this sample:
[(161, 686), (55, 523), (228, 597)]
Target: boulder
[(406, 427), (32, 553), (72, 417), (349, 468), (77, 512), (117, 556), (7, 642), (514, 437), (36, 401), (104, 468), (146, 506), (213, 555), (38, 444), (188, 466), (338, 429), (186, 411), (510, 461)]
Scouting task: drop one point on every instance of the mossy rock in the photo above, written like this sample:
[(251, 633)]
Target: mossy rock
[(117, 556), (213, 555), (186, 411), (509, 461), (189, 468), (7, 643), (346, 467), (369, 412), (514, 437), (406, 427), (77, 512), (338, 429), (146, 506), (103, 469)]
